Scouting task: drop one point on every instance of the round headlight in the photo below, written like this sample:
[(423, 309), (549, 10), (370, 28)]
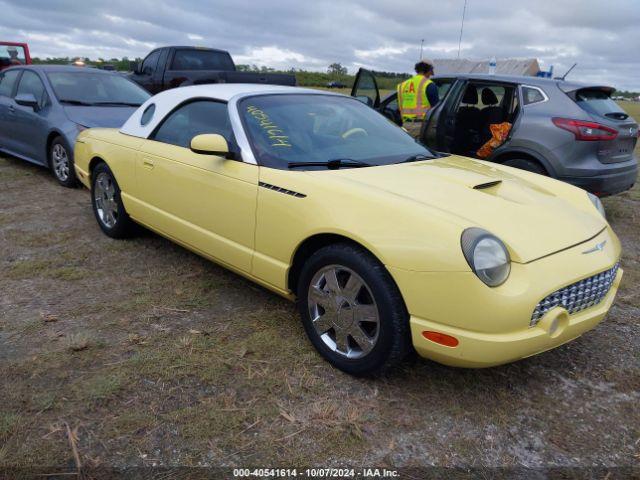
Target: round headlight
[(486, 255), (597, 203)]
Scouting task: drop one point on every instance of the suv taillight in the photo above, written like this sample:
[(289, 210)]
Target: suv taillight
[(586, 131)]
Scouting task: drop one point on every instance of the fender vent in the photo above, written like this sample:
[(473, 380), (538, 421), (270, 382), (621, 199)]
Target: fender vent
[(282, 190)]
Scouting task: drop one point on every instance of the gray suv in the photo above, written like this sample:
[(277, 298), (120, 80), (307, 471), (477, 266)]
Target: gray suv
[(569, 131)]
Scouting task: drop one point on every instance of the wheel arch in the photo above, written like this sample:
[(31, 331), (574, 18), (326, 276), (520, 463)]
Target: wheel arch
[(95, 160), (53, 134), (528, 155), (312, 244)]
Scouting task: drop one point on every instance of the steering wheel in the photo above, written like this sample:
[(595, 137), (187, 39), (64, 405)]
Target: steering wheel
[(355, 131)]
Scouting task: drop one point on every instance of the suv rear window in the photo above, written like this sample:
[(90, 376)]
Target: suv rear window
[(202, 60), (598, 102)]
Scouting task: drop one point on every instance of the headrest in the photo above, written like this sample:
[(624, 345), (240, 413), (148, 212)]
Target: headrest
[(489, 97), (470, 95)]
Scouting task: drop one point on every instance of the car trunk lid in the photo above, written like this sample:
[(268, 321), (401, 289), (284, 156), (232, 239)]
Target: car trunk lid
[(597, 102)]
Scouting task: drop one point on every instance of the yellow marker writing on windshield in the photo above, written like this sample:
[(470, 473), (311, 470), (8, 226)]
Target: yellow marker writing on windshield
[(275, 133)]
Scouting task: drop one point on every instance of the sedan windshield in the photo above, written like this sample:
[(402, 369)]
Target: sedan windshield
[(323, 131), (88, 88)]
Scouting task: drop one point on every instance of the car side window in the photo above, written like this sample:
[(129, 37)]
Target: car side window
[(443, 86), (201, 60), (393, 104), (31, 83), (194, 118), (532, 95), (7, 81), (150, 63)]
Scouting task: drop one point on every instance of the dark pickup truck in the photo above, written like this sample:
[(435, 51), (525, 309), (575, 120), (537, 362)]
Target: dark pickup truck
[(170, 67)]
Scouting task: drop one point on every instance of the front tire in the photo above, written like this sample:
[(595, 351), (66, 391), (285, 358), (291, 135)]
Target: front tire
[(352, 310), (107, 203), (61, 163)]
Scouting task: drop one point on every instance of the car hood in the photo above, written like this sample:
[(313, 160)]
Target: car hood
[(533, 218), (106, 117)]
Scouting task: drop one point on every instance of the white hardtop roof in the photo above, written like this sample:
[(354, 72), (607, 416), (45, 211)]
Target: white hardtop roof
[(166, 101)]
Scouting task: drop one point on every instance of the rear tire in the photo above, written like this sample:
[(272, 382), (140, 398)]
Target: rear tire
[(107, 204), (528, 165), (352, 310), (61, 163)]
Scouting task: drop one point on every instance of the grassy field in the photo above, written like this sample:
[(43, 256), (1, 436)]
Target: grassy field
[(632, 108), (139, 353)]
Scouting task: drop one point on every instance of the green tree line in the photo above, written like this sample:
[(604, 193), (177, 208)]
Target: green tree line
[(335, 73)]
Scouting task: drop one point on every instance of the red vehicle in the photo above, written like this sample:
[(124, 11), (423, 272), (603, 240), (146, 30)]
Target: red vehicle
[(12, 53)]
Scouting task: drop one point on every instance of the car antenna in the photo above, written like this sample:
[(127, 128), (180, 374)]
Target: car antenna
[(568, 72)]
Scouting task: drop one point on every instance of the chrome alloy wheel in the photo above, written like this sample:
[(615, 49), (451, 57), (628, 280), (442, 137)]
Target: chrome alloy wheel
[(104, 194), (343, 311), (60, 162)]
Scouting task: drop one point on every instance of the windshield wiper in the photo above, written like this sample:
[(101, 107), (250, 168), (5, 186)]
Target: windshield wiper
[(125, 104), (76, 102), (334, 164), (417, 158), (423, 156)]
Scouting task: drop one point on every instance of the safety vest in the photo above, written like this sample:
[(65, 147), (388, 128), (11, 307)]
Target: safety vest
[(412, 98)]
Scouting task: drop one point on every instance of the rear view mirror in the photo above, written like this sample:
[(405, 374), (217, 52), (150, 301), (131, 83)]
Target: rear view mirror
[(211, 144), (27, 100)]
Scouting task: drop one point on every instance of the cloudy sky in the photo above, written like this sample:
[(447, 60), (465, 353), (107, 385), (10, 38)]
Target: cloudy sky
[(603, 36)]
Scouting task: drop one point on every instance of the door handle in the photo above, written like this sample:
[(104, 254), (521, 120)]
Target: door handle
[(147, 162), (12, 109)]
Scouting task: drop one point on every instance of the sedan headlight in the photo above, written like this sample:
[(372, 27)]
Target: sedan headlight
[(597, 203), (486, 255)]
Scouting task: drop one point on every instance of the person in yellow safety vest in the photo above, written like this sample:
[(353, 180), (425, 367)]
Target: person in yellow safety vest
[(416, 96)]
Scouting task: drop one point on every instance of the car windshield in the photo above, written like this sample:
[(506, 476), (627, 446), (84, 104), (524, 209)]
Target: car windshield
[(90, 88), (287, 129)]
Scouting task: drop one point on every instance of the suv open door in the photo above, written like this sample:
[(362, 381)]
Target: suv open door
[(365, 88)]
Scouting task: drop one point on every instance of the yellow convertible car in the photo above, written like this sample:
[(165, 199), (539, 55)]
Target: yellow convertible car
[(386, 245)]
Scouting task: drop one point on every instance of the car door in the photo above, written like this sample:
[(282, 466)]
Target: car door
[(147, 75), (30, 124), (204, 201), (440, 123), (365, 88), (8, 83)]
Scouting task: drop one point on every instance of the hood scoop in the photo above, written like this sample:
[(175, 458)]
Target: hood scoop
[(484, 186)]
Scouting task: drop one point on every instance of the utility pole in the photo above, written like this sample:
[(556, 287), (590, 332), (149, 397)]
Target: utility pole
[(464, 10), (421, 46)]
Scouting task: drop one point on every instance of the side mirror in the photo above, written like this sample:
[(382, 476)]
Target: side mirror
[(211, 144), (134, 67), (27, 100)]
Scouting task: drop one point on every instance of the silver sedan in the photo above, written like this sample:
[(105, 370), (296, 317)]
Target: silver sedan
[(44, 107)]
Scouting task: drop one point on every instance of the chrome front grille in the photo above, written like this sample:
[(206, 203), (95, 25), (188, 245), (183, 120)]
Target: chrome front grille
[(577, 296)]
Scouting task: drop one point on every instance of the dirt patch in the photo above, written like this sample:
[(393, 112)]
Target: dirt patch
[(154, 356)]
